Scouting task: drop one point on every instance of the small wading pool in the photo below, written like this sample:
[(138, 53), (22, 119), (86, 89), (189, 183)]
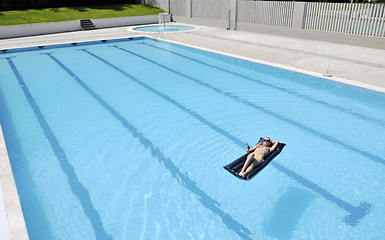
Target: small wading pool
[(167, 28)]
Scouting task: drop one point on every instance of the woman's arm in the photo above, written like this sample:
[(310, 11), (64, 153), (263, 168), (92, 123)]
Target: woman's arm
[(255, 147), (275, 145)]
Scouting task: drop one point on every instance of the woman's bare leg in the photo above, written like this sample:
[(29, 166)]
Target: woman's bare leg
[(250, 167), (249, 158)]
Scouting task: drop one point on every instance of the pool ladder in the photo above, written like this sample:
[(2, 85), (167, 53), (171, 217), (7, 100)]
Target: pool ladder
[(158, 34)]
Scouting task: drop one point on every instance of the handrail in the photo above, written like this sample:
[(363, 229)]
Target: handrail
[(158, 34)]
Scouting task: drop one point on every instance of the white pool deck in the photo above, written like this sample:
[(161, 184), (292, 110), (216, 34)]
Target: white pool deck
[(359, 66)]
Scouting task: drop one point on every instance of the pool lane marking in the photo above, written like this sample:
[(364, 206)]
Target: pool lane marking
[(266, 111), (356, 213), (76, 186), (335, 107), (186, 181)]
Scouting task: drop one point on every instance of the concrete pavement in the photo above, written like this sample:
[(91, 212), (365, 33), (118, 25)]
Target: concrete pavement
[(360, 66)]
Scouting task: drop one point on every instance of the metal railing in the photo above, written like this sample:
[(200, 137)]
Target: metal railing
[(274, 13), (157, 34), (210, 9), (351, 18)]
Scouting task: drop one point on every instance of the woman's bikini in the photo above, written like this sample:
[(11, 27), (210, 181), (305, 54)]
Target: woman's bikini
[(259, 158)]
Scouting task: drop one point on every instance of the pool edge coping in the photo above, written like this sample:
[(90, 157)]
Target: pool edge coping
[(9, 199), (286, 67)]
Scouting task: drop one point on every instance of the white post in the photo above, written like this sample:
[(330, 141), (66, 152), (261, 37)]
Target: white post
[(188, 8), (233, 14), (327, 74), (299, 11)]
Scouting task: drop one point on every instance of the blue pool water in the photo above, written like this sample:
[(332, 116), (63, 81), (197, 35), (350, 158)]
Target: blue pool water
[(166, 28), (126, 139)]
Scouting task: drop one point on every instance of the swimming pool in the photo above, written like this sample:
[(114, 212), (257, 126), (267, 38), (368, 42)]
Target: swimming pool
[(126, 139)]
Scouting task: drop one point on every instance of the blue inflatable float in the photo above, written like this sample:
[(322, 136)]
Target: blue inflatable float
[(236, 166)]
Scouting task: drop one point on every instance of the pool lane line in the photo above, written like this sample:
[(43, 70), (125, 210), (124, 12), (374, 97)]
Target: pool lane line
[(335, 107), (329, 138), (355, 213), (76, 186), (186, 181)]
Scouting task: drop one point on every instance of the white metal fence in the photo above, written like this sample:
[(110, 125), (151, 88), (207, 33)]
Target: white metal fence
[(178, 7), (349, 18), (275, 13), (358, 19), (155, 3), (210, 9)]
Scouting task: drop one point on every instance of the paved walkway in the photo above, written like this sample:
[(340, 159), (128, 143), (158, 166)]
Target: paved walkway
[(355, 65)]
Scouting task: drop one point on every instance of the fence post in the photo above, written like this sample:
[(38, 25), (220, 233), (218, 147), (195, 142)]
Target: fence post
[(168, 6), (188, 9), (233, 14), (298, 15)]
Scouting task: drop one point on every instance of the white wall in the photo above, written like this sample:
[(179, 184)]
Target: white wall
[(69, 26), (38, 29)]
